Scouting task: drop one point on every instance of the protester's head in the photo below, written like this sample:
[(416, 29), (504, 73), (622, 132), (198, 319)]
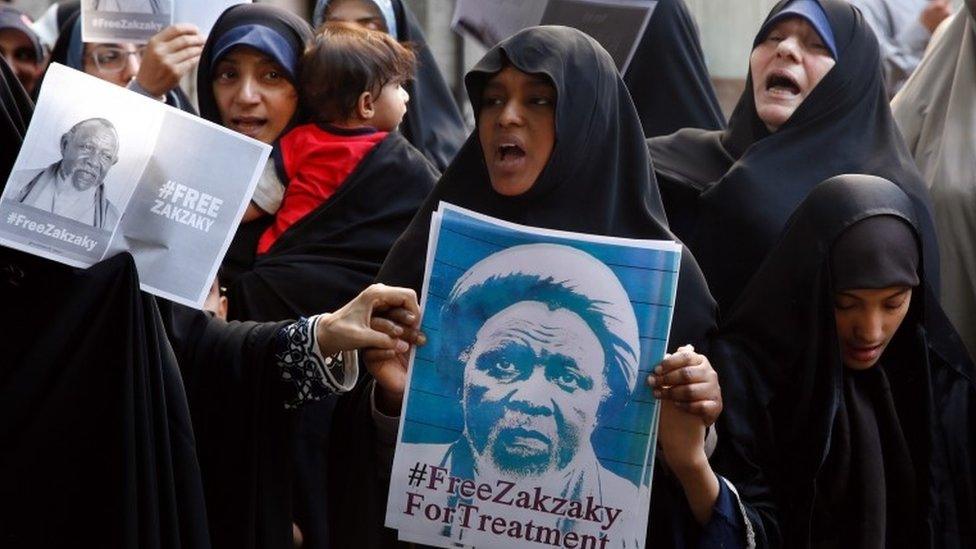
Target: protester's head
[(517, 128), (248, 77), (874, 268), (88, 150), (117, 63), (537, 97), (547, 341), (21, 47), (791, 54), (377, 15), (353, 76)]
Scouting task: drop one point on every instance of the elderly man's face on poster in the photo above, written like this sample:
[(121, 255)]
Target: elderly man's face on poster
[(529, 382), (87, 154)]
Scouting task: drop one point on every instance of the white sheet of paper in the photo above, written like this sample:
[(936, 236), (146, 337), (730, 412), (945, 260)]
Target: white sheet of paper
[(202, 13)]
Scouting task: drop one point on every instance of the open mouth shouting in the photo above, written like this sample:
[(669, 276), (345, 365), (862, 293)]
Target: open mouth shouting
[(510, 155), (250, 126), (780, 83)]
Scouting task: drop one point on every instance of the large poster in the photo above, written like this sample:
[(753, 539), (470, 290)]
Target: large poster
[(526, 421), (618, 25), (105, 170)]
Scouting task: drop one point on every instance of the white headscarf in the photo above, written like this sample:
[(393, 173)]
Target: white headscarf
[(936, 113)]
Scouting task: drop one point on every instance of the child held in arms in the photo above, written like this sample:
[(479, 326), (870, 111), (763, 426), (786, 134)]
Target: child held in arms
[(351, 87)]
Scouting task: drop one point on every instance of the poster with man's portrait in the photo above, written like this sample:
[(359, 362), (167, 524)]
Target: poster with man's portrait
[(104, 170), (526, 421), (119, 21)]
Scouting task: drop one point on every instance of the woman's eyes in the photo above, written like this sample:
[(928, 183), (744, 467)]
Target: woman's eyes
[(894, 305), (226, 74), (492, 101), (843, 305), (534, 100)]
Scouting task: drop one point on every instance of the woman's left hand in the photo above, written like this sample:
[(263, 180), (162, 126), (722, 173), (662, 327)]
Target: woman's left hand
[(357, 325), (691, 399), (688, 380)]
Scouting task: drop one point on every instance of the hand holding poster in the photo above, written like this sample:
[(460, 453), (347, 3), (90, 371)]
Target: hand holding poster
[(104, 170), (617, 25), (526, 421)]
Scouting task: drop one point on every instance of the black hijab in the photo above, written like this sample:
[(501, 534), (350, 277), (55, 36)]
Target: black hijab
[(294, 32), (729, 194), (825, 456), (291, 28), (597, 181), (96, 444), (668, 78), (15, 114)]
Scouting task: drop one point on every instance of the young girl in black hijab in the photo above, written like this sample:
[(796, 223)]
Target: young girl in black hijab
[(851, 404), (814, 106), (558, 145)]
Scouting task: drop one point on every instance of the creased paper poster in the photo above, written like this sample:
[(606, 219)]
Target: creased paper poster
[(526, 421), (104, 170), (618, 25), (124, 20)]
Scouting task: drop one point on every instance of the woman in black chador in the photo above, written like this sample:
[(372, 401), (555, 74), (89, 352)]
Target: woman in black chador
[(814, 107), (850, 416), (558, 145)]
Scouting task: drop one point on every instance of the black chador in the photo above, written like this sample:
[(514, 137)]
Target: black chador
[(597, 181), (667, 77), (729, 193), (826, 455)]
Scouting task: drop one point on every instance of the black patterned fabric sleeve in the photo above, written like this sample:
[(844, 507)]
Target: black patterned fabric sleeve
[(309, 375)]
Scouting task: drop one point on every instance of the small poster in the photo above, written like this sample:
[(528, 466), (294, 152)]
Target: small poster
[(116, 21), (201, 13), (618, 25), (104, 170), (526, 419)]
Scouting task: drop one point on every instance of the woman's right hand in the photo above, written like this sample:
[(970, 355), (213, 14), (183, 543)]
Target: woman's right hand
[(389, 366)]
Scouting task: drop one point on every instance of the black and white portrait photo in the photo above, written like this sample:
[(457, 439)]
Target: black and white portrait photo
[(74, 186)]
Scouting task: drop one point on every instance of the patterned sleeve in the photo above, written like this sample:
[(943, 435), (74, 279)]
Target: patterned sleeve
[(309, 375)]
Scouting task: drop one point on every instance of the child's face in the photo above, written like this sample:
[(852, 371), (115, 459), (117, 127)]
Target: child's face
[(253, 95), (517, 129), (866, 322), (389, 107)]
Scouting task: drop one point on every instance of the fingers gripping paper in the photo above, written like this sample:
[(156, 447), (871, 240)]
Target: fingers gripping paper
[(526, 420)]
